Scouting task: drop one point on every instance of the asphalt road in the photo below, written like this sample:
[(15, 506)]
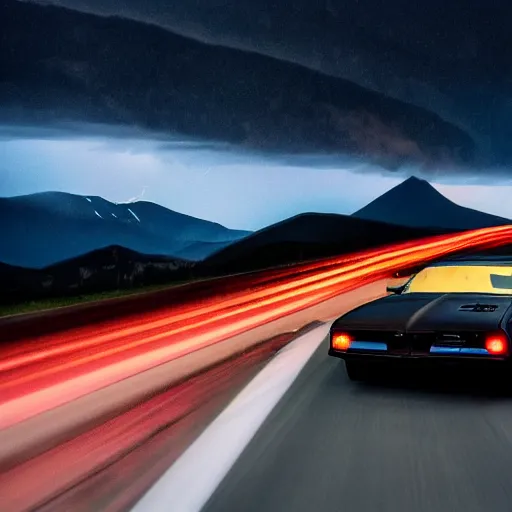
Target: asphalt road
[(334, 445)]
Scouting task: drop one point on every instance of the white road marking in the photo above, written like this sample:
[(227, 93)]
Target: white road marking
[(188, 484)]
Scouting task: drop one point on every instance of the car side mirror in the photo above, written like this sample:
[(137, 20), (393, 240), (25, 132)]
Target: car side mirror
[(397, 290)]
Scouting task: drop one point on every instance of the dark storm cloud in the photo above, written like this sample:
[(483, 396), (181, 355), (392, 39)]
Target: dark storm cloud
[(391, 45), (450, 61)]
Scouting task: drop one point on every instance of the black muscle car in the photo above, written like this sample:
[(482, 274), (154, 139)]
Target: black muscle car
[(452, 311)]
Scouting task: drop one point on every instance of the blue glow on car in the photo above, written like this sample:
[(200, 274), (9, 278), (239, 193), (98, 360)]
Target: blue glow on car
[(458, 350), (444, 350), (368, 345), (474, 351)]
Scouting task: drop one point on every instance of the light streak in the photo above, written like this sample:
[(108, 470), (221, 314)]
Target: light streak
[(41, 374)]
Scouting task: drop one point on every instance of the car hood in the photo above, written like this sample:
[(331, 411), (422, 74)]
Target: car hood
[(420, 312)]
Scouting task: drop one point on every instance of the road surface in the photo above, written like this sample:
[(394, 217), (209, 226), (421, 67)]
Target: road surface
[(334, 445), (327, 444)]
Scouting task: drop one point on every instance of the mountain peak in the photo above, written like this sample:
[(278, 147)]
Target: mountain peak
[(414, 181), (411, 190), (414, 178), (416, 203), (417, 187)]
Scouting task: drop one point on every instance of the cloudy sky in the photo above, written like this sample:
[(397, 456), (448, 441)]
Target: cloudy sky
[(316, 108)]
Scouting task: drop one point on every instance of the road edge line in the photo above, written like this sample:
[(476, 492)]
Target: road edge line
[(203, 466)]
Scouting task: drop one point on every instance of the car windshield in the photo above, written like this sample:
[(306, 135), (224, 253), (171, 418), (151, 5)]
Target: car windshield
[(462, 279)]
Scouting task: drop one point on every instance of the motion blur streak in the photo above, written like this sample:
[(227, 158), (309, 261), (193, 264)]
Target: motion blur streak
[(41, 374), (124, 444)]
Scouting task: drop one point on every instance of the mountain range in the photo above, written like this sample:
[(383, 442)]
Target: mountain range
[(46, 228), (60, 244)]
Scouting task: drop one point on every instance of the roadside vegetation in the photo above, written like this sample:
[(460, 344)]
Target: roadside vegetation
[(59, 302)]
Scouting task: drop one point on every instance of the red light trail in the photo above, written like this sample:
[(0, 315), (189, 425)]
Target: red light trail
[(41, 374)]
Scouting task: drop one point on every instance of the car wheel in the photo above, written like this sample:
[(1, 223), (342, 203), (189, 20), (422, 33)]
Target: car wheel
[(356, 370)]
